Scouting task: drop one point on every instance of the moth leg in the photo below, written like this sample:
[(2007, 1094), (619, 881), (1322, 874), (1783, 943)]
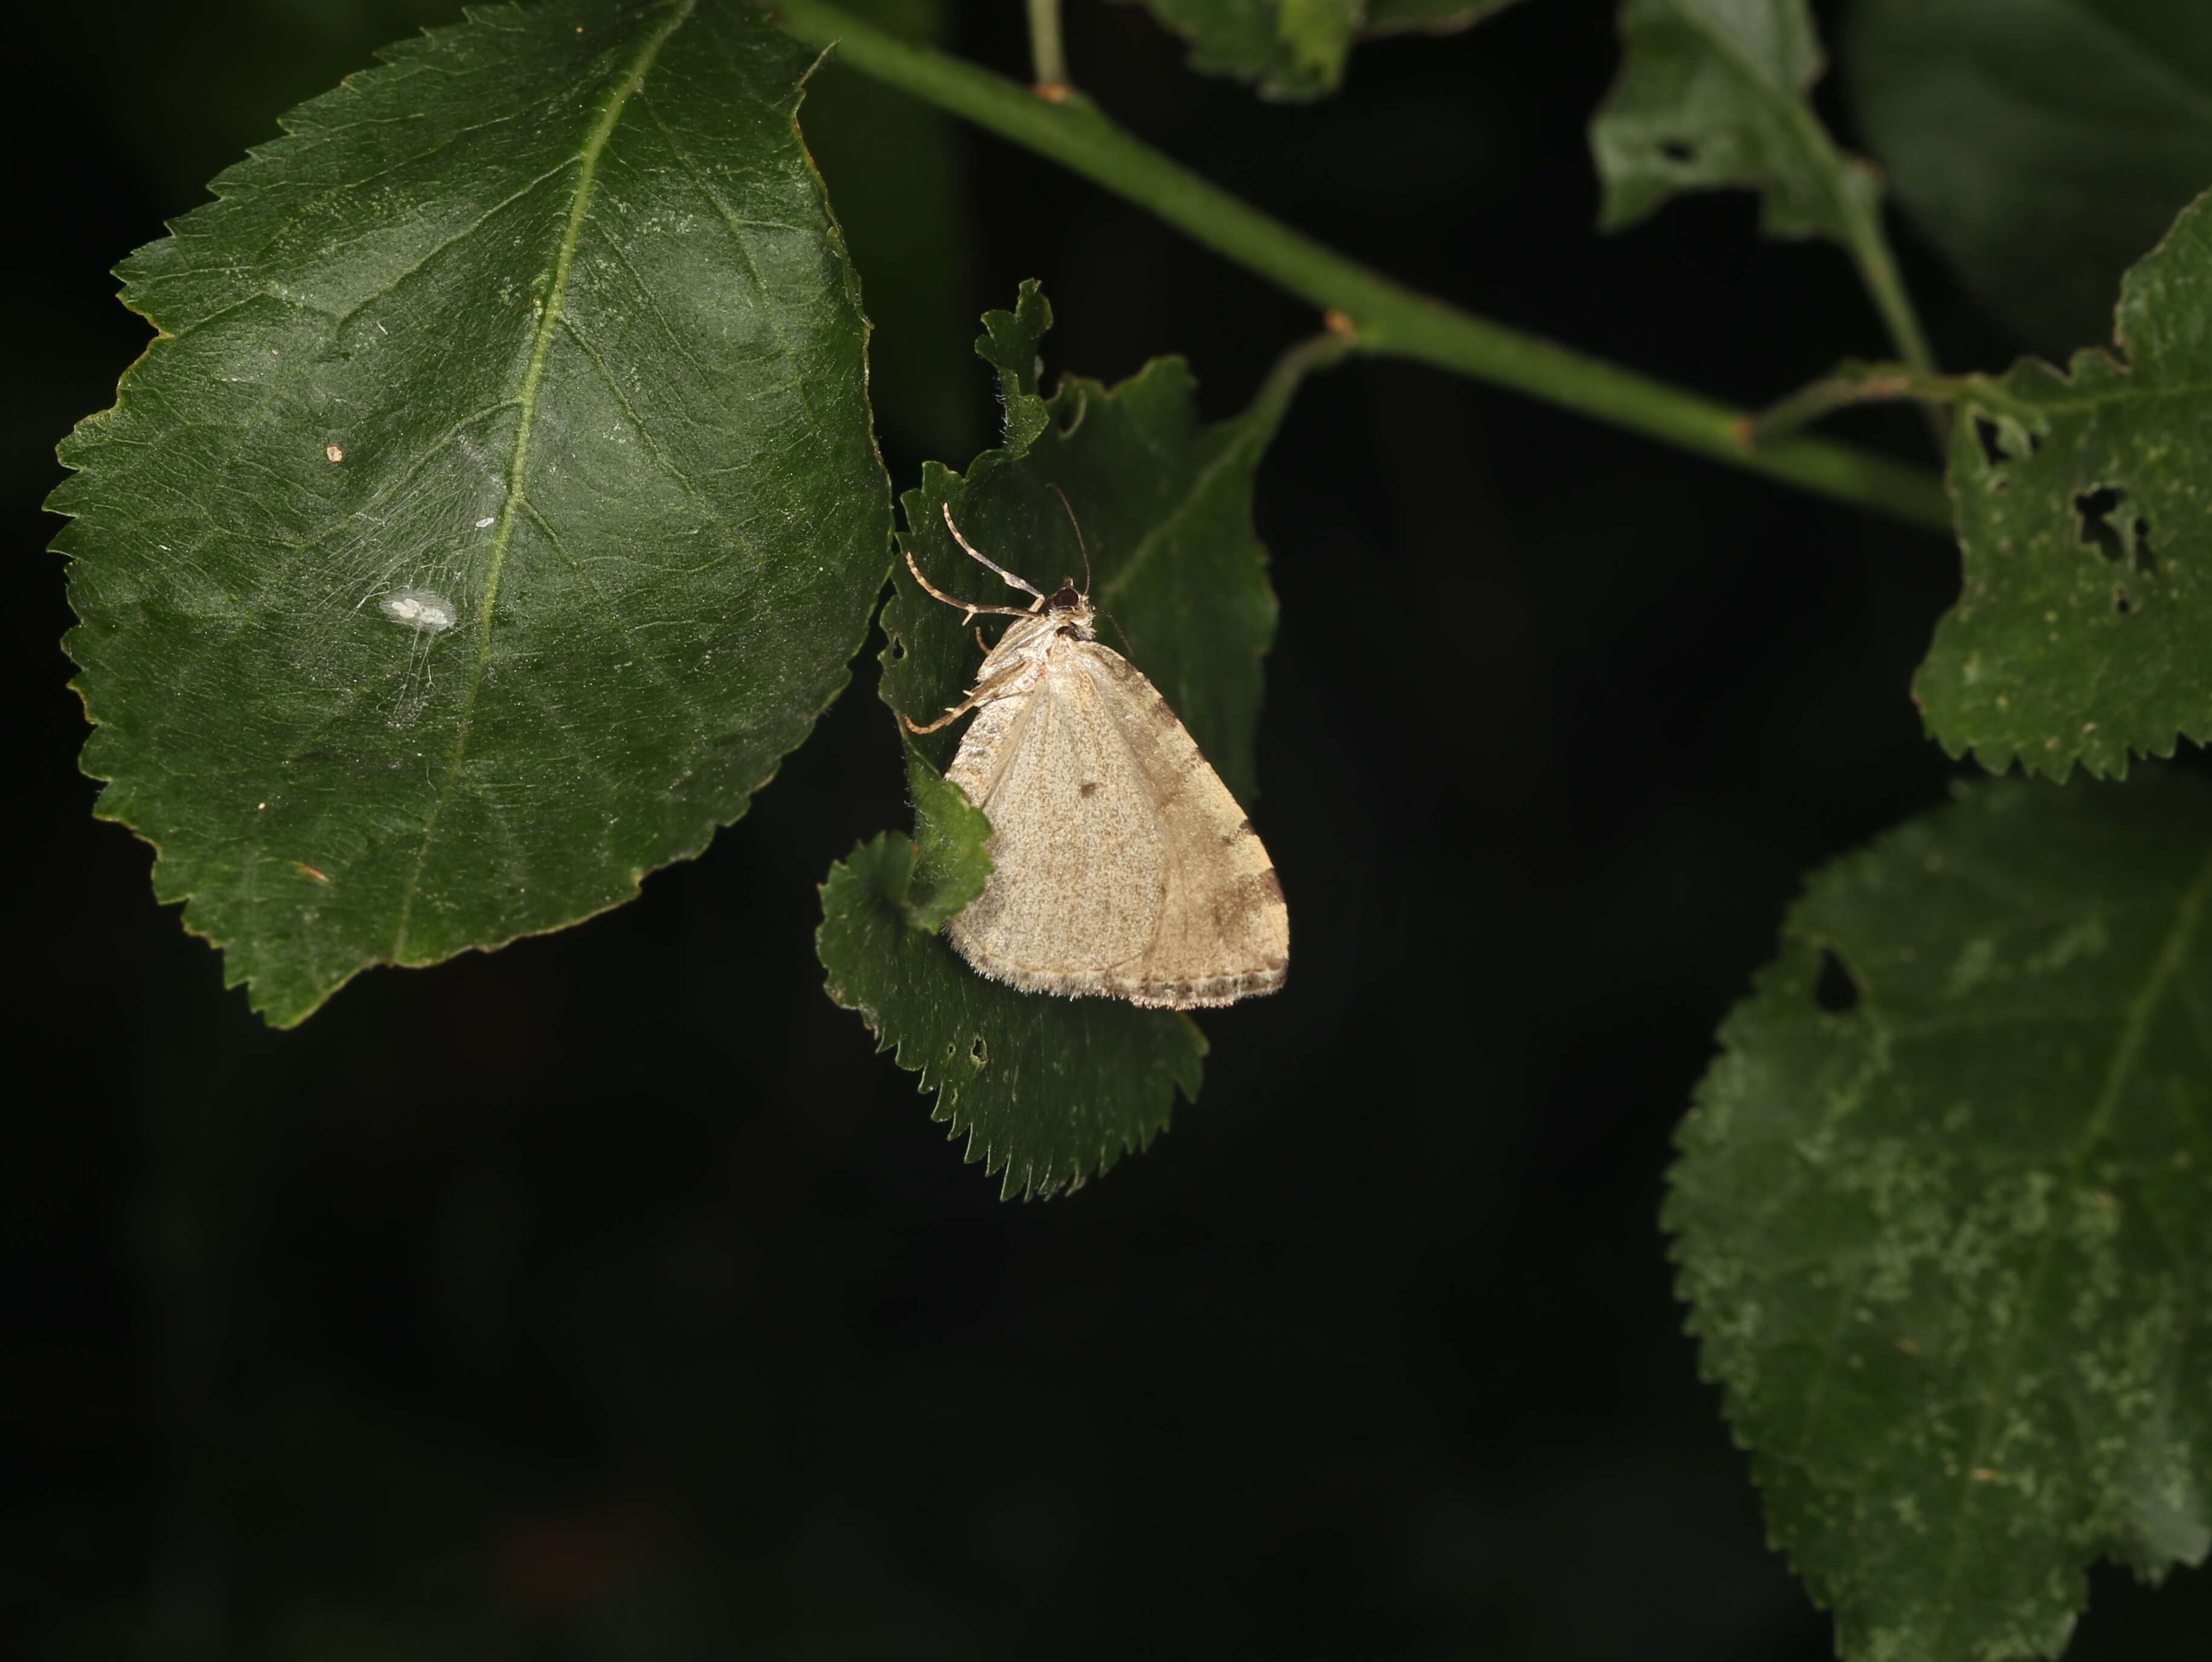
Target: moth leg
[(983, 695), (945, 720)]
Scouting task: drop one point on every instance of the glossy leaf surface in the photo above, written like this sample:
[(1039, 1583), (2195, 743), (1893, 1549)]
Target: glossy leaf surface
[(497, 503)]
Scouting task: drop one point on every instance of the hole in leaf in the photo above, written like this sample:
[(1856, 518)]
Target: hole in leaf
[(1993, 451), (979, 1053), (2121, 604), (898, 649), (2093, 516), (1678, 151), (1835, 990), (2141, 541)]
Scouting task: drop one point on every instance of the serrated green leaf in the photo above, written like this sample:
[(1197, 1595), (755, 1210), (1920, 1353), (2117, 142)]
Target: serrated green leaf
[(1165, 504), (545, 317), (1012, 343), (2081, 630), (1943, 1215), (1715, 94), (1049, 1091), (951, 864), (2042, 147), (1295, 50)]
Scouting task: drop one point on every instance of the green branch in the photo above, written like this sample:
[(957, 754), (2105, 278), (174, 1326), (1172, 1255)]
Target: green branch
[(1854, 383), (1387, 317)]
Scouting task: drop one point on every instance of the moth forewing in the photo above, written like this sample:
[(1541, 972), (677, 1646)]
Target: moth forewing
[(1223, 932), (1122, 867)]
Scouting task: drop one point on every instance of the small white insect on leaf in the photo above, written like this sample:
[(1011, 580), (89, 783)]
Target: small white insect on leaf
[(421, 610)]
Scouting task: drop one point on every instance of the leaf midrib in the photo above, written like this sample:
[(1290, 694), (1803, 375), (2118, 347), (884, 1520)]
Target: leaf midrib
[(2164, 969), (612, 104)]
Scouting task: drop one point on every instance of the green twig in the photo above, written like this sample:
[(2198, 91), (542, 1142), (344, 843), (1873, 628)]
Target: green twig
[(1384, 316), (1048, 58), (1853, 382), (1860, 211), (1858, 205)]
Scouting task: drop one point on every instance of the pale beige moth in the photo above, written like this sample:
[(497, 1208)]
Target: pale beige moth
[(1122, 866)]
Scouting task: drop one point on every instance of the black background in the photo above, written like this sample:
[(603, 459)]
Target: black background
[(607, 1298)]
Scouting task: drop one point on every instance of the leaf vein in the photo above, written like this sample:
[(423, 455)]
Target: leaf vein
[(2126, 1053), (610, 110)]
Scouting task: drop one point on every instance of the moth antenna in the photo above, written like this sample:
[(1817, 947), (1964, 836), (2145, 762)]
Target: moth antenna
[(1121, 632), (1004, 575), (1079, 542), (968, 607), (981, 646)]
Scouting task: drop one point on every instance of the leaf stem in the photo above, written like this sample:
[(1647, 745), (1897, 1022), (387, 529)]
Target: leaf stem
[(1047, 57), (1385, 316), (1867, 244), (1854, 383)]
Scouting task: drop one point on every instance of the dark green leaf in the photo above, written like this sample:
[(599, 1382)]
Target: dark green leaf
[(1012, 343), (2042, 147), (2081, 629), (951, 865), (546, 317), (1426, 16), (892, 164), (1296, 49), (1943, 1215), (1714, 95), (1047, 1090), (1164, 503)]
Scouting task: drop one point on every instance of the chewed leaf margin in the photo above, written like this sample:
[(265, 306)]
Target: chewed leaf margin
[(2081, 500)]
